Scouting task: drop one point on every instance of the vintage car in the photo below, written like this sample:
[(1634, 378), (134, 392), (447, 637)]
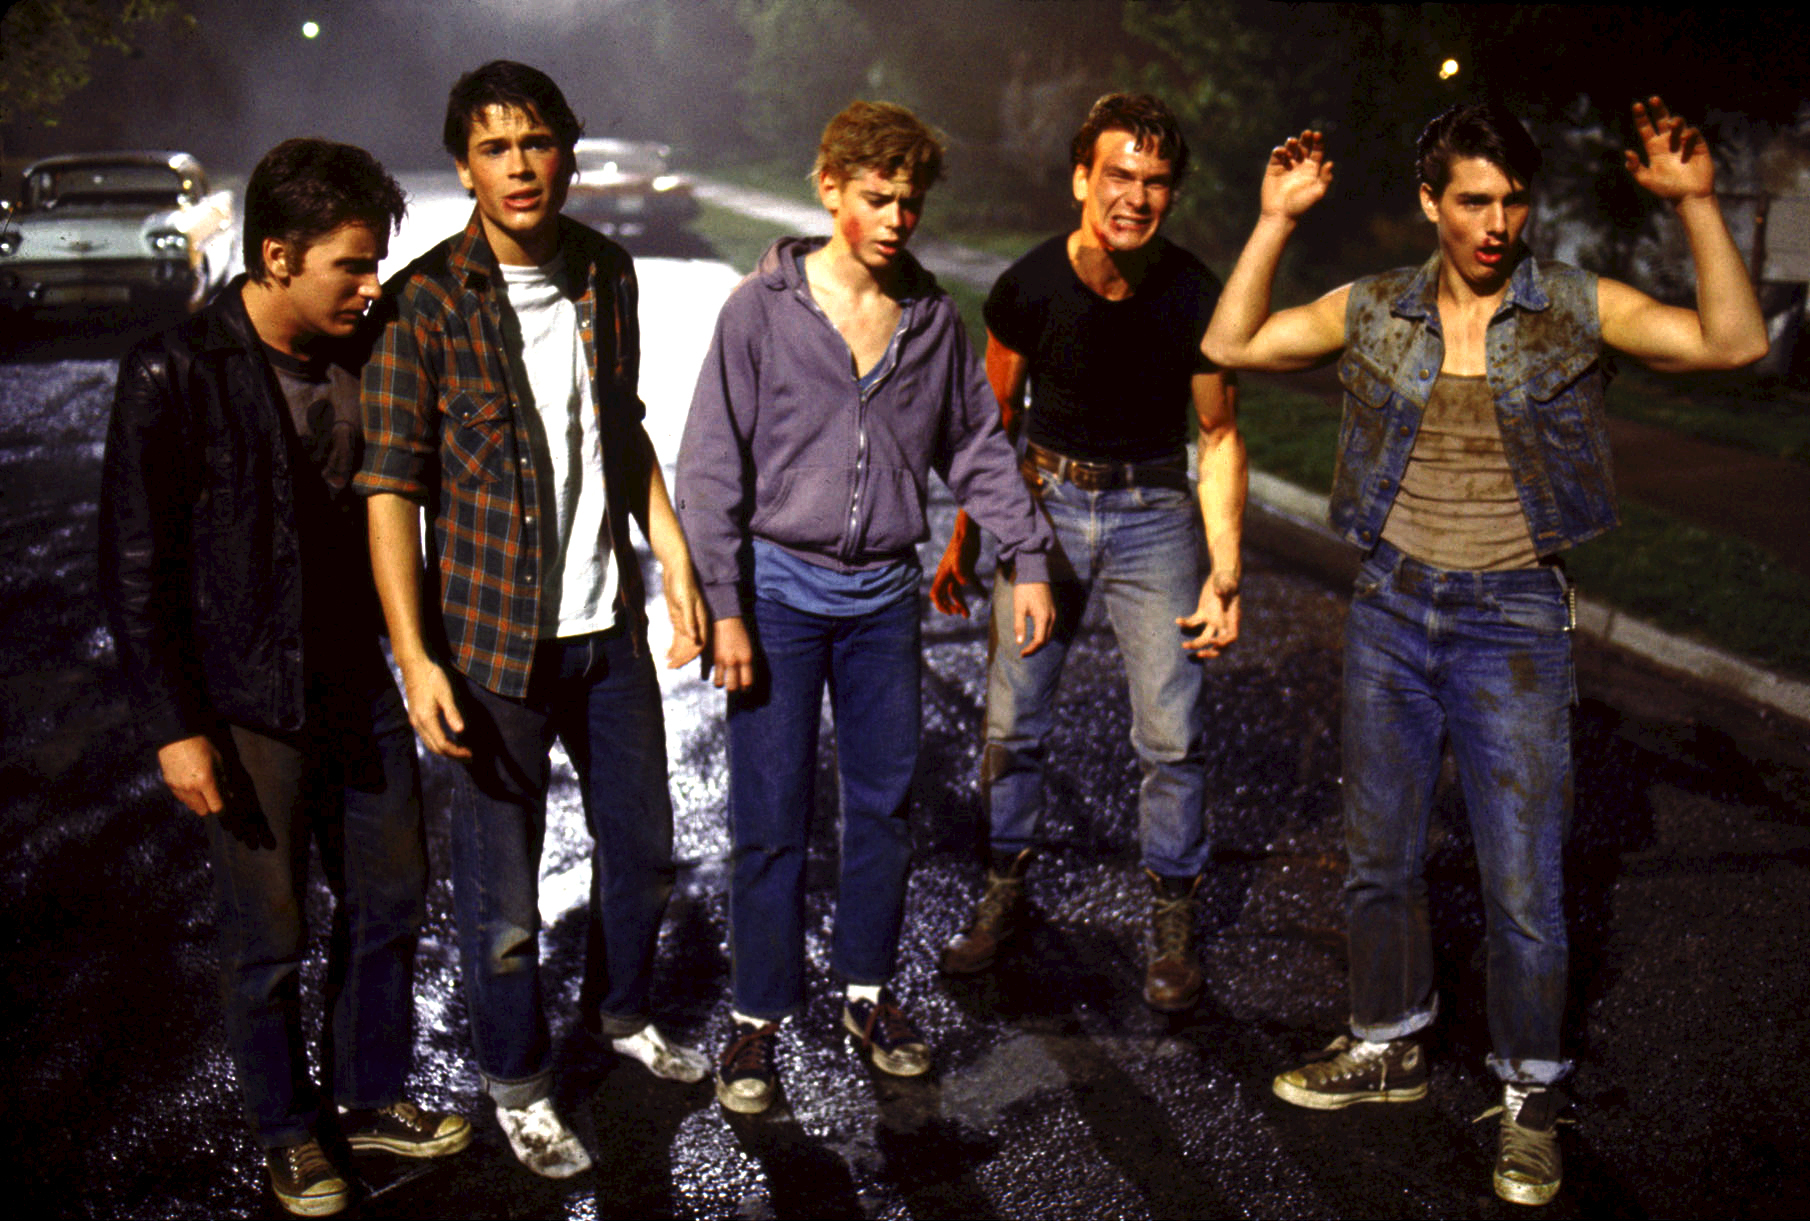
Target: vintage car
[(111, 230), (625, 184)]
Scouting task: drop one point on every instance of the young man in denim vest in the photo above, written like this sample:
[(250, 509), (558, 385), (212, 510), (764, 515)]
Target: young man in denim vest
[(233, 568), (1473, 451), (1102, 326), (502, 399)]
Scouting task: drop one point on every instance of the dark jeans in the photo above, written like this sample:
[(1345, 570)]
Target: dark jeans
[(349, 782), (1483, 659), (599, 696), (870, 663)]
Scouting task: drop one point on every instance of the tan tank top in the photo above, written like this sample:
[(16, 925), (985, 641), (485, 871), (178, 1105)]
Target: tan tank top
[(1457, 506)]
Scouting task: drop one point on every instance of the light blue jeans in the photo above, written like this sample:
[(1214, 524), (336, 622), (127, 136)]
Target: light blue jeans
[(1482, 660), (1141, 547)]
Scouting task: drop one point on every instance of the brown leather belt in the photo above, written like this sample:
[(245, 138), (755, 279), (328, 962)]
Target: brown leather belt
[(1104, 476)]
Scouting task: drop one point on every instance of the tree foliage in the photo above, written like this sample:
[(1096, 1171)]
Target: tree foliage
[(45, 48)]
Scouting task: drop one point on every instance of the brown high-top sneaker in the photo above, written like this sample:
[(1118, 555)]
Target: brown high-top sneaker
[(995, 921), (1173, 978)]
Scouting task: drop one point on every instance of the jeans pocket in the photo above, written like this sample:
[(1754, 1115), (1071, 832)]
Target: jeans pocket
[(1544, 613)]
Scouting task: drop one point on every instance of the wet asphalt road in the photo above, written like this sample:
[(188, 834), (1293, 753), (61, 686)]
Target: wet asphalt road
[(1056, 1093)]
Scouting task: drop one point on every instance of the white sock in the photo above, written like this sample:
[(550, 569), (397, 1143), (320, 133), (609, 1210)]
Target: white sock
[(865, 992)]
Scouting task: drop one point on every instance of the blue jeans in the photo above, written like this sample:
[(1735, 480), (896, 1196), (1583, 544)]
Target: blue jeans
[(599, 696), (870, 663), (349, 782), (1141, 547), (1484, 660)]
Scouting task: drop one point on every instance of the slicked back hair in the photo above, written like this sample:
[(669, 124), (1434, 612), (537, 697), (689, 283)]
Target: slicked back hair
[(880, 136), (306, 188), (1475, 129), (1142, 116), (513, 86)]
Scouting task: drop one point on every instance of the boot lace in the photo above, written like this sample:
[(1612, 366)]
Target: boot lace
[(1172, 926)]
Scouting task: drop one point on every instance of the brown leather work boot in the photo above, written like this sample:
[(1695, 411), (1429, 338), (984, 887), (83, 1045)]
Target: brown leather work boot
[(1173, 978), (995, 921)]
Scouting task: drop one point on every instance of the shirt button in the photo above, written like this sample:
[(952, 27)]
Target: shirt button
[(1405, 430), (1424, 374)]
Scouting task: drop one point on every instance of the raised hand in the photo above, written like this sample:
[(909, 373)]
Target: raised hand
[(1297, 175), (1677, 165)]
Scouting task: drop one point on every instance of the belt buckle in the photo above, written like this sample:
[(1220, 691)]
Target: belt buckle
[(1091, 476)]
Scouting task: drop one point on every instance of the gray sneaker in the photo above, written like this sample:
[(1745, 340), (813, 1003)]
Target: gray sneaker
[(1529, 1167), (1350, 1070)]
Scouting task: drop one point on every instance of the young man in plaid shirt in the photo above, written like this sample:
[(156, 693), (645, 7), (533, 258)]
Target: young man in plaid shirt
[(502, 401)]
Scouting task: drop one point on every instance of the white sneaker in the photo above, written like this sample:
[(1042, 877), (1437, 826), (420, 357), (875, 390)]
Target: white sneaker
[(541, 1141), (662, 1057)]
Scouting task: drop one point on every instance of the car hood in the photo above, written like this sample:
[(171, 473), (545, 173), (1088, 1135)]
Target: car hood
[(91, 233)]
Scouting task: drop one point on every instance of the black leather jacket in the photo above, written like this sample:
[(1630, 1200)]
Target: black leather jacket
[(200, 554)]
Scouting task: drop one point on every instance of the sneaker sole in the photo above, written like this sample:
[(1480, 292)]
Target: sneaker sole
[(314, 1206), (1315, 1101), (1516, 1192), (439, 1146), (741, 1104), (893, 1064)]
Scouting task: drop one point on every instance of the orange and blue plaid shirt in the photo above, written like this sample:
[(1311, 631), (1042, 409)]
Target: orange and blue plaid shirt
[(441, 425)]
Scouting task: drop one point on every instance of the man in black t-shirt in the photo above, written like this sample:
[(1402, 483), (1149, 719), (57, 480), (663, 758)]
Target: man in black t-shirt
[(1104, 325), (238, 591)]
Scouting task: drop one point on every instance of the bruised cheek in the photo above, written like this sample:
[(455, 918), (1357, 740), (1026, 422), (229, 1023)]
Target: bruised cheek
[(849, 229)]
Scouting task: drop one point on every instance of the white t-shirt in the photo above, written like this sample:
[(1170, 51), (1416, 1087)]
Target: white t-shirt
[(540, 324)]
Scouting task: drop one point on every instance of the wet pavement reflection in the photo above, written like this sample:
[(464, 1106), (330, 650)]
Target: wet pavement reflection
[(1056, 1092)]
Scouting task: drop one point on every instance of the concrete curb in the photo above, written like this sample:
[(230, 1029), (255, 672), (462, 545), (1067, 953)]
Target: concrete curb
[(1297, 523)]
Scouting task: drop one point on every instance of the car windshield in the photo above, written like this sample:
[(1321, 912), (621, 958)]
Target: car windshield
[(107, 182), (626, 160)]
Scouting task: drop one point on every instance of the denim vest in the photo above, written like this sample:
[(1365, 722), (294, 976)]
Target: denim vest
[(1544, 360)]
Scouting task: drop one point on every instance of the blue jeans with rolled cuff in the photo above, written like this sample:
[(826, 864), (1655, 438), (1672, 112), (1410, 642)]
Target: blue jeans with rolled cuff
[(1141, 548), (348, 782), (1482, 659), (598, 694), (870, 665)]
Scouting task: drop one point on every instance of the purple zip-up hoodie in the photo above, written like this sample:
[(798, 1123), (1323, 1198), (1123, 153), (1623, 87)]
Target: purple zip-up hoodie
[(782, 442)]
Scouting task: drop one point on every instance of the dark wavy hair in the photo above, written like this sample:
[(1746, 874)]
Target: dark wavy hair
[(305, 188), (1475, 129), (503, 82), (1145, 118)]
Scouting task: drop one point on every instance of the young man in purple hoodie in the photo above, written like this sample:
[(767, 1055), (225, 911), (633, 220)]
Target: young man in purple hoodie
[(838, 377)]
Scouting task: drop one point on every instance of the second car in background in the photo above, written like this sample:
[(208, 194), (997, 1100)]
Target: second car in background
[(627, 184)]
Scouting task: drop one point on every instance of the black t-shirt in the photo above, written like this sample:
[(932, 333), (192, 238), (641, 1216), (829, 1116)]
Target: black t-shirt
[(326, 443), (1110, 380)]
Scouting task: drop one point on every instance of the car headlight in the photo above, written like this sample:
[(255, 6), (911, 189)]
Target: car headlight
[(169, 245), (10, 241), (665, 182)]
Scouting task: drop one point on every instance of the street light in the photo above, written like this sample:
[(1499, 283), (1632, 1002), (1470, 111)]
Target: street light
[(311, 29), (1448, 69)]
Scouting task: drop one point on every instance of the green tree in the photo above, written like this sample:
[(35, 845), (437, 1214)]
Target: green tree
[(45, 47)]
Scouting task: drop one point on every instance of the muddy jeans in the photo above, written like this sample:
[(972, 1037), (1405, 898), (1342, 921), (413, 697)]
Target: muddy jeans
[(1484, 660), (348, 782)]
